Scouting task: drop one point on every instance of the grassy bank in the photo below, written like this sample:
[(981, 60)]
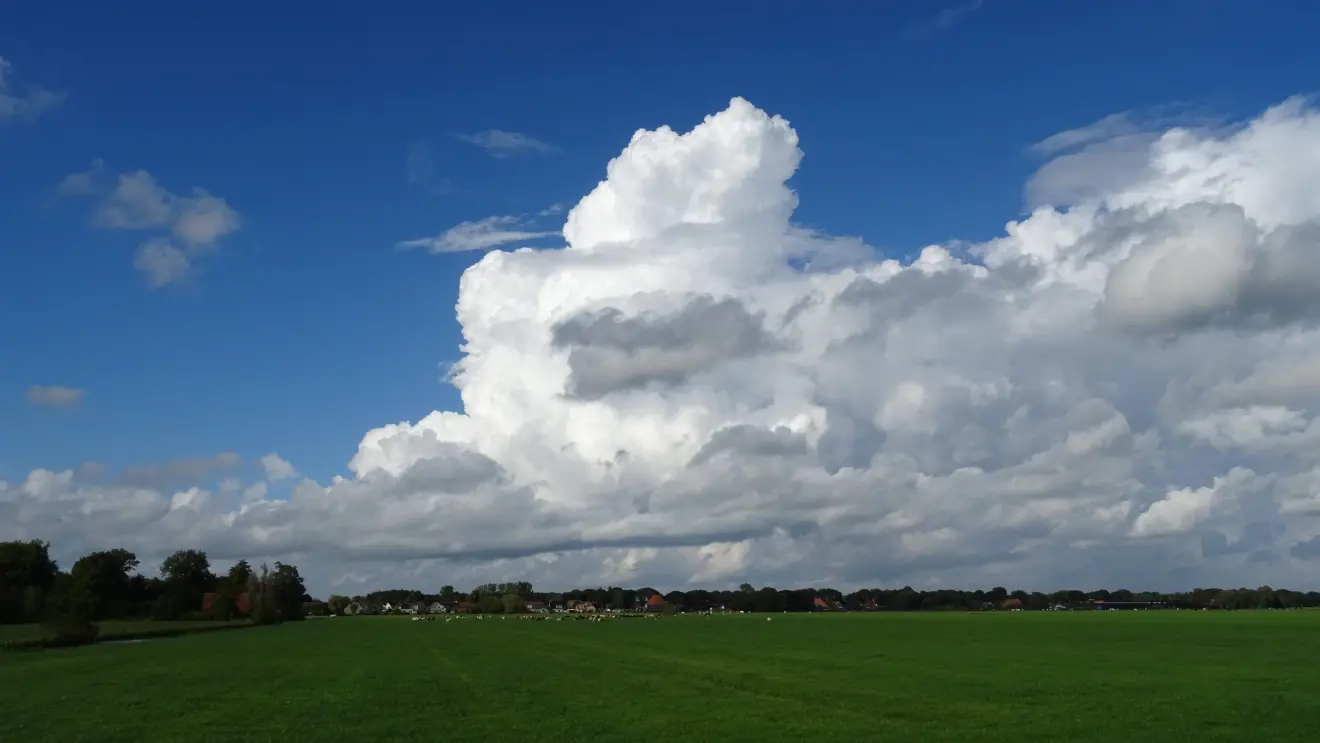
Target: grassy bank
[(32, 636)]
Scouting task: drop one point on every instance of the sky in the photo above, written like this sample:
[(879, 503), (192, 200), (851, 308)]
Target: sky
[(948, 294)]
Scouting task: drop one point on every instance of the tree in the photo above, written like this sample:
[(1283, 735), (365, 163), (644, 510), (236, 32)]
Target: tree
[(291, 592), (276, 596), (27, 574), (337, 604), (188, 576), (512, 603), (447, 594), (103, 581), (263, 599), (237, 578)]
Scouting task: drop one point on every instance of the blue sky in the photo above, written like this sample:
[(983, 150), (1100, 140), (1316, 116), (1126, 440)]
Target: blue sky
[(306, 327)]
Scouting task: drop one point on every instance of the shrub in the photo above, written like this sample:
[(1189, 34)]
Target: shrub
[(67, 630), (223, 608), (164, 609)]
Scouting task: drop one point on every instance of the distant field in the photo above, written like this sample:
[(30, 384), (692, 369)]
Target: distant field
[(1175, 676)]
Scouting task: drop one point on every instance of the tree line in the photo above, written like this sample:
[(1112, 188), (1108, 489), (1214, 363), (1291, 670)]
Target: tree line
[(107, 585), (512, 598)]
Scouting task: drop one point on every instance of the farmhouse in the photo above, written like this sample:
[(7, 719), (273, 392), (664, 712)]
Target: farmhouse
[(535, 607), (242, 604), (655, 603)]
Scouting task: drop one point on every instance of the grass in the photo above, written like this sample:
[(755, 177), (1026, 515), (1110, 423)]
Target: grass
[(1173, 676), (22, 636)]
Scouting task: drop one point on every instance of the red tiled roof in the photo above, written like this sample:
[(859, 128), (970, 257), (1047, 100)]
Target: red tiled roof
[(821, 603), (242, 605), (655, 600)]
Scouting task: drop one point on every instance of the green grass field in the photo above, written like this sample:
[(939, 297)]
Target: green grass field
[(1174, 676)]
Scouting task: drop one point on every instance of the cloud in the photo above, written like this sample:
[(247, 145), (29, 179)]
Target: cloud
[(189, 471), (1108, 128), (277, 468), (27, 102), (192, 224), (55, 396), (504, 144), (1112, 392), (482, 234), (925, 28), (82, 183)]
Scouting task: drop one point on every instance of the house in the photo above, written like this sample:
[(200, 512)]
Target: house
[(535, 607), (655, 603), (415, 607), (387, 608), (581, 606), (820, 604), (1012, 604), (242, 603), (437, 608), (465, 607)]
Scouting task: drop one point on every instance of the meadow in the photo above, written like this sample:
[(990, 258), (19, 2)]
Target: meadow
[(1167, 676)]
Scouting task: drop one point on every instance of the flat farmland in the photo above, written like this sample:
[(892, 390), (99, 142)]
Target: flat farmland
[(1172, 676)]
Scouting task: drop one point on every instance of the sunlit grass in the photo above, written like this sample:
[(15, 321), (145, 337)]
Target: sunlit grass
[(1175, 676)]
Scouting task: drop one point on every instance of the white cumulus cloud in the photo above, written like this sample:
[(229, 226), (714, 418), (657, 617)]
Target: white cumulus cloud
[(1088, 399), (277, 467)]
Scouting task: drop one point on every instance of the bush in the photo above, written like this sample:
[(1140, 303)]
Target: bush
[(164, 609), (69, 630), (223, 608)]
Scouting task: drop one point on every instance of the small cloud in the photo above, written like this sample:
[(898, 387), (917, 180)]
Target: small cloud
[(194, 222), (925, 28), (84, 183), (55, 396), (504, 144), (277, 467), (482, 234), (161, 262), (27, 104), (203, 219), (420, 169), (551, 210)]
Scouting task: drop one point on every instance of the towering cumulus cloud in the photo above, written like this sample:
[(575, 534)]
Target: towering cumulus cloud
[(697, 390)]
